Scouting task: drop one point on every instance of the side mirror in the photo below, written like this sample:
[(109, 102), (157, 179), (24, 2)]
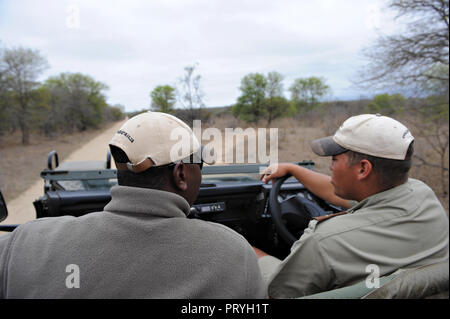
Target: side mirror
[(3, 209)]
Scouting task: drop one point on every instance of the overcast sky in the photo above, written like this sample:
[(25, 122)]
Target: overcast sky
[(133, 46)]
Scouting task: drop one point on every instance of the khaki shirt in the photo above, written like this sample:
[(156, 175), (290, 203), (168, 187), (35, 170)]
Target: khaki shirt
[(403, 227)]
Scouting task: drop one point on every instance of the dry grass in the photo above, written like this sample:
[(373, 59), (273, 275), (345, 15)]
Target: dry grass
[(294, 138), (20, 165)]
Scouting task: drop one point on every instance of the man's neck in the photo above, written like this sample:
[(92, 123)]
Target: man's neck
[(369, 190)]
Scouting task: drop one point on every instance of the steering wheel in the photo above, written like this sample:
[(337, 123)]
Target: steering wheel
[(292, 215)]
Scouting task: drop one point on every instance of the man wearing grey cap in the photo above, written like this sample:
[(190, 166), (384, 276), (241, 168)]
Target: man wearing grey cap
[(391, 221), (142, 245)]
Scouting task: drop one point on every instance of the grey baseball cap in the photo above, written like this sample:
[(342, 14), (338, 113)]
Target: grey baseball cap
[(326, 146)]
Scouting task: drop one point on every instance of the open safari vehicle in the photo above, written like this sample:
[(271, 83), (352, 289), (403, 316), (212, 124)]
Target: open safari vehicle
[(270, 216)]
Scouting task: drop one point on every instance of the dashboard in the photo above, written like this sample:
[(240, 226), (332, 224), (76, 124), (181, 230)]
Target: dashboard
[(245, 208)]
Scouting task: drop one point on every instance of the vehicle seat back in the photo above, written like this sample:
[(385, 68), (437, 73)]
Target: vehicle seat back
[(429, 281)]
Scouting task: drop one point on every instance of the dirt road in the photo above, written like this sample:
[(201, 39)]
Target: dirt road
[(21, 208)]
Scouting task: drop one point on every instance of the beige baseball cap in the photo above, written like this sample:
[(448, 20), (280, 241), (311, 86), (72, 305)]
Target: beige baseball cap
[(153, 139), (371, 134)]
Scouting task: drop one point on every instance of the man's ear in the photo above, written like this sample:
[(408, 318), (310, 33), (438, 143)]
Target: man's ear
[(364, 169), (179, 177)]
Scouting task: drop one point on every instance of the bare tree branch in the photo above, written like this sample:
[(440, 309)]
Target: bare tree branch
[(426, 163), (408, 58)]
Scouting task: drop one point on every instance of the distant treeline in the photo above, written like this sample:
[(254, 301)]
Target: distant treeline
[(64, 103)]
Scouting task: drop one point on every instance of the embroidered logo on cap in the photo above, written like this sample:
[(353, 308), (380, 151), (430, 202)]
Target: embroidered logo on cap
[(126, 135)]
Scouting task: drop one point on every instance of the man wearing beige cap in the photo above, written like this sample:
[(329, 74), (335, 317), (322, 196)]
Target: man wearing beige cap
[(391, 221), (142, 245)]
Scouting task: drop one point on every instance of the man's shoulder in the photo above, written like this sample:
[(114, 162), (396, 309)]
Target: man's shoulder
[(326, 217), (54, 228), (219, 231), (416, 182), (404, 201), (45, 222), (419, 186), (345, 224), (327, 225), (219, 237)]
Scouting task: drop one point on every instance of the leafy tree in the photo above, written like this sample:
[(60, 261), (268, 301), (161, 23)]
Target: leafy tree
[(40, 108), (77, 100), (250, 105), (276, 107), (386, 104), (274, 87), (307, 93), (20, 68), (115, 112), (261, 98), (163, 98), (5, 101), (7, 119)]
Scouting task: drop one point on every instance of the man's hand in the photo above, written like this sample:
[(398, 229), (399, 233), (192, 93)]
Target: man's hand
[(317, 183), (275, 171)]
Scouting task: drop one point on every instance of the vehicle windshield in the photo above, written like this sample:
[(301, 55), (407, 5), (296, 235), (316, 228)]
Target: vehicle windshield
[(104, 179)]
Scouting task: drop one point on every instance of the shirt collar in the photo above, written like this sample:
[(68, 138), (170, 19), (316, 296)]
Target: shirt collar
[(378, 198), (126, 199)]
